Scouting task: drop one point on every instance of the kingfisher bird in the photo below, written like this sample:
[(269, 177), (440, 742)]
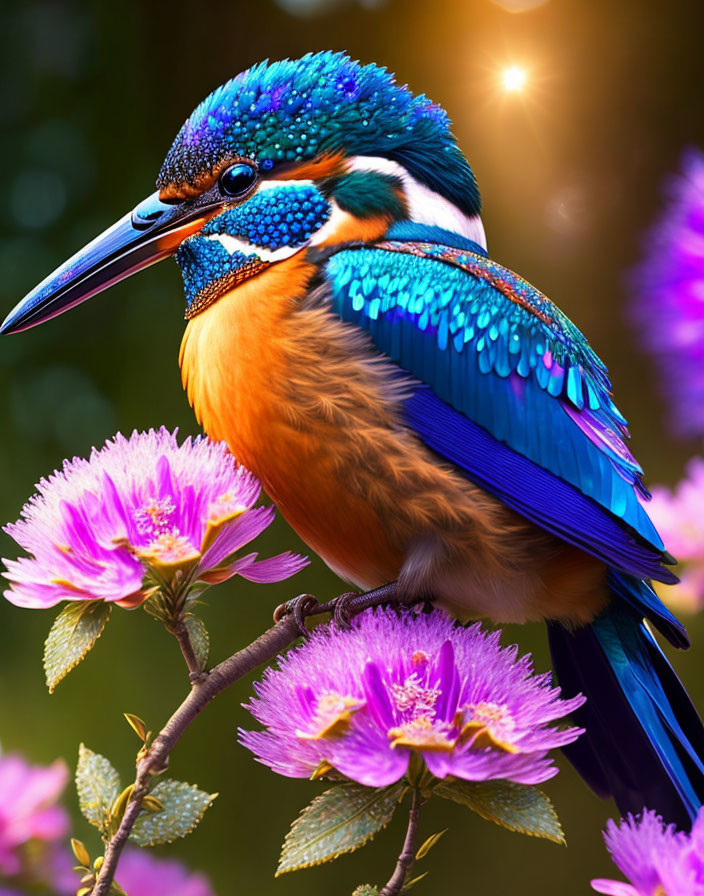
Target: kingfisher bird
[(419, 413)]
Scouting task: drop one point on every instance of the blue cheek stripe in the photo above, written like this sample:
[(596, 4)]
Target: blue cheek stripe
[(282, 216), (208, 271)]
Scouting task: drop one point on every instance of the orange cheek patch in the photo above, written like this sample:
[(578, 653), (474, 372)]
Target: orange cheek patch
[(351, 229), (318, 169)]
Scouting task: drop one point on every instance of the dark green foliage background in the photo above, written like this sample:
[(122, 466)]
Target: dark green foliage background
[(92, 95)]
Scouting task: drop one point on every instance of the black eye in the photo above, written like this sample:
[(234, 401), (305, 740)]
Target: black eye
[(237, 179)]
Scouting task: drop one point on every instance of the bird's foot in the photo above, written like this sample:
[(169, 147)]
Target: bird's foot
[(348, 605), (300, 607)]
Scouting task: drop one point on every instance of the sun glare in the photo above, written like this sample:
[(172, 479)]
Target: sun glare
[(514, 79)]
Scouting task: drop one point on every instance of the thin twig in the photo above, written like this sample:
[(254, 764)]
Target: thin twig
[(204, 689), (263, 650), (408, 854), (183, 636)]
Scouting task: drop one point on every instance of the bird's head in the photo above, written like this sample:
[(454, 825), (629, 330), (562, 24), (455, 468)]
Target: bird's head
[(287, 157)]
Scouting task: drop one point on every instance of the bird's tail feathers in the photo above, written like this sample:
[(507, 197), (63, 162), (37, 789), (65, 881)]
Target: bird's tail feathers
[(644, 742)]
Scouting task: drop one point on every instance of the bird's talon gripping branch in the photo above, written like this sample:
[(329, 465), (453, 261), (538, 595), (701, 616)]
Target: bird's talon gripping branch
[(343, 605), (300, 607), (348, 605)]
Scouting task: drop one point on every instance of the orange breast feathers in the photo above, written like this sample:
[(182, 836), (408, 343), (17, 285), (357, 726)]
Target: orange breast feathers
[(268, 375)]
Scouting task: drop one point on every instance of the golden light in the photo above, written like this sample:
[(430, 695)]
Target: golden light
[(519, 5), (514, 79)]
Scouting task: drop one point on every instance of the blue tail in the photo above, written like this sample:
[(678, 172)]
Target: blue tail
[(644, 742)]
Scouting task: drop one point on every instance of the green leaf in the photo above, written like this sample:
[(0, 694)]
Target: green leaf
[(200, 640), (75, 630), (183, 807), (366, 890), (429, 844), (518, 807), (340, 820), (98, 785)]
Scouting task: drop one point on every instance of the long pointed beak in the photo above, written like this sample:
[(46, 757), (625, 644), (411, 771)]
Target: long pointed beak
[(153, 231)]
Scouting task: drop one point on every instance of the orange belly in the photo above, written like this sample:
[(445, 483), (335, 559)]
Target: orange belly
[(243, 363), (305, 404)]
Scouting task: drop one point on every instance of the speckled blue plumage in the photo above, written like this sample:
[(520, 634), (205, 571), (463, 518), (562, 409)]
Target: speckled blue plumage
[(286, 215), (206, 266), (295, 110)]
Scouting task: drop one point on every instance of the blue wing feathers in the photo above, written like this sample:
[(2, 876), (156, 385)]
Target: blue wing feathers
[(533, 492), (497, 351)]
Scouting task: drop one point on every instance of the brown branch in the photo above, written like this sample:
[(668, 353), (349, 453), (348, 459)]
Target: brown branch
[(408, 854), (205, 687), (182, 635)]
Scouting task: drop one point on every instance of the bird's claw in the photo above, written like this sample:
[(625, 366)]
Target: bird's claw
[(348, 605), (341, 615), (300, 607)]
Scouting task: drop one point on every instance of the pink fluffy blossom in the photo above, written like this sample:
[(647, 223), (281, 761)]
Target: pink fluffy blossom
[(657, 859), (145, 505), (364, 700)]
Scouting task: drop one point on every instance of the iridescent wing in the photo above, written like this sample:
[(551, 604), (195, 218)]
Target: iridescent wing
[(502, 362)]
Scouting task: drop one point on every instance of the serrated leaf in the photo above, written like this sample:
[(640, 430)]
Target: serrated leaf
[(340, 820), (366, 890), (429, 844), (75, 630), (184, 806), (518, 807), (98, 785), (200, 640)]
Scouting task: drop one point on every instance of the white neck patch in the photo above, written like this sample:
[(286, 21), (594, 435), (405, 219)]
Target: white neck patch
[(425, 206)]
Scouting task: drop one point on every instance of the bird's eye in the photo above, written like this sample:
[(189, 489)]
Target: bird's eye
[(237, 179)]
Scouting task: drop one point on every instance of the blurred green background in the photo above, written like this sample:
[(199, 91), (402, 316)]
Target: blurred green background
[(93, 94)]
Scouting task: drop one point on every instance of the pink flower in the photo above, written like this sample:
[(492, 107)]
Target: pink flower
[(668, 301), (28, 809), (679, 517), (32, 825), (364, 700), (140, 511), (141, 874), (657, 859)]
